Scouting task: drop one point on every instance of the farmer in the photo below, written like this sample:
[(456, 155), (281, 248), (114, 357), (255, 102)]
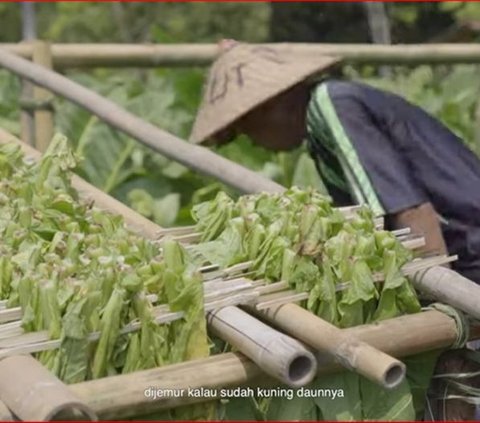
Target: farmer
[(370, 147)]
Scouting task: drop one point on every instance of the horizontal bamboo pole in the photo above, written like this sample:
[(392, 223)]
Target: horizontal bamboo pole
[(153, 55), (33, 393), (325, 337), (195, 157), (133, 395), (282, 357)]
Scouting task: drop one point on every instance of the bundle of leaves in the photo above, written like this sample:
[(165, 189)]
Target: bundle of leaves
[(75, 270), (335, 257)]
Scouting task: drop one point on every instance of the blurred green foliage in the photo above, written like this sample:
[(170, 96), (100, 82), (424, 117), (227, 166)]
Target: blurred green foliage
[(140, 22)]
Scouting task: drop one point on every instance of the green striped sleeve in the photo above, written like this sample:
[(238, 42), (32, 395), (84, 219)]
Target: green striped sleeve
[(355, 173)]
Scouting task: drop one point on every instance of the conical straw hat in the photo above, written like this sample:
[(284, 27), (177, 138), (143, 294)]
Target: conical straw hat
[(246, 76)]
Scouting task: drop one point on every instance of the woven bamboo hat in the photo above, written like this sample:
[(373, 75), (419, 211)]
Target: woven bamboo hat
[(245, 76)]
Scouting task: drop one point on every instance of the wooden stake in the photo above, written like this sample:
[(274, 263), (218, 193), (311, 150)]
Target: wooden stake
[(43, 108)]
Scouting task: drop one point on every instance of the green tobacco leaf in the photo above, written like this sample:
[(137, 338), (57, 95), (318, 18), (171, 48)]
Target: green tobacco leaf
[(174, 170), (345, 408), (306, 174), (141, 201), (225, 250), (327, 308), (385, 404), (295, 409), (109, 328), (165, 210), (420, 368), (242, 409), (155, 185), (246, 153), (360, 291), (74, 356)]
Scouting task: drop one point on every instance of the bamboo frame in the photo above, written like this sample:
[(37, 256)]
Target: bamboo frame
[(123, 120), (124, 396), (154, 55), (380, 370), (304, 50)]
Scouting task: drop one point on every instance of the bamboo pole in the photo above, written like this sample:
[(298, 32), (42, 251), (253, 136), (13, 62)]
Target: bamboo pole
[(449, 287), (43, 112), (193, 156), (279, 356), (325, 337), (27, 122), (27, 126), (145, 392), (33, 393), (154, 55)]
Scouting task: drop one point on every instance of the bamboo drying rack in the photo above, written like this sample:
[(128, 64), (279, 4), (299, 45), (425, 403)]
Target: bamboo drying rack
[(433, 330)]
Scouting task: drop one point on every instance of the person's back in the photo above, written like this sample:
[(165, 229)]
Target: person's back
[(405, 156)]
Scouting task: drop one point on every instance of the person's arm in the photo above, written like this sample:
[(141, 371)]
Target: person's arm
[(424, 220)]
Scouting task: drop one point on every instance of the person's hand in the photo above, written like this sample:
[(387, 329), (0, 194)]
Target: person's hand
[(422, 219)]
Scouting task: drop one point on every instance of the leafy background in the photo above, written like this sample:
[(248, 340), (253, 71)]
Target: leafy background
[(165, 191)]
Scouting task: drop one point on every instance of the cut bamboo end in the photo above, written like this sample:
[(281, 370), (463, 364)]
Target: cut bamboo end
[(347, 351), (394, 375), (370, 362), (277, 354), (32, 393)]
